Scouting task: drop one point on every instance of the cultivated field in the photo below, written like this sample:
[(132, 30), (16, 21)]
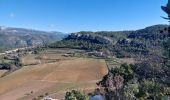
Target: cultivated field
[(48, 56), (2, 72), (54, 78)]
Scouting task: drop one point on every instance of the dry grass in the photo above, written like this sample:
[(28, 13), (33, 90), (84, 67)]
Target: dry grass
[(30, 59), (26, 89), (78, 71), (45, 57), (126, 60)]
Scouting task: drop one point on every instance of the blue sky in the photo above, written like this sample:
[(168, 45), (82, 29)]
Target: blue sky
[(81, 15)]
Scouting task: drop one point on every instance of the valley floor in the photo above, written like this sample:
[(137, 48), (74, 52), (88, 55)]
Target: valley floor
[(52, 78)]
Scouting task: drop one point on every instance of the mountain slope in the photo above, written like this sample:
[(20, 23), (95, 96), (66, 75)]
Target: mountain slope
[(18, 37), (120, 43)]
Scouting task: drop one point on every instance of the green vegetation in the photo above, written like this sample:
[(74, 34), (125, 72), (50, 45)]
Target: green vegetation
[(37, 50), (146, 79), (124, 44), (151, 90), (5, 66), (125, 83), (78, 44), (166, 54), (76, 95)]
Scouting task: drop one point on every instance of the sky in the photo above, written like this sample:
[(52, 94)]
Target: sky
[(81, 15)]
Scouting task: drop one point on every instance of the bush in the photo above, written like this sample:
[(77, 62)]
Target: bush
[(6, 66), (76, 95), (125, 70), (151, 90)]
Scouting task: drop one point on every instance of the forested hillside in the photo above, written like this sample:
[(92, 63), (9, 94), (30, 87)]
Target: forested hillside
[(121, 43), (145, 79)]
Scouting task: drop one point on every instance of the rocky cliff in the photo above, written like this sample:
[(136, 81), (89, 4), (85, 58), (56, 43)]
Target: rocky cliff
[(90, 37)]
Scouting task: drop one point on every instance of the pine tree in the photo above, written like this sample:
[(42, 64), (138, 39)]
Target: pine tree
[(166, 43)]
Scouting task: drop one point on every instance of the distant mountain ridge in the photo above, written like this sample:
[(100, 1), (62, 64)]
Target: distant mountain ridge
[(18, 37), (119, 43)]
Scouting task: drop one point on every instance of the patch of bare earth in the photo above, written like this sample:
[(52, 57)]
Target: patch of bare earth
[(2, 72), (127, 60), (26, 89), (53, 78)]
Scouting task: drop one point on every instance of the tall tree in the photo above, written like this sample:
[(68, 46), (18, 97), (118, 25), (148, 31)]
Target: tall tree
[(166, 9)]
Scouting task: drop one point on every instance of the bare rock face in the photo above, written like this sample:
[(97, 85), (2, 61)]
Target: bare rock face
[(91, 37)]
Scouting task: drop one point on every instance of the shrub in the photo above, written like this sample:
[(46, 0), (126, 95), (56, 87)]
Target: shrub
[(76, 95)]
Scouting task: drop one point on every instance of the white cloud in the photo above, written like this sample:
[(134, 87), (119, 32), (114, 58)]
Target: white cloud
[(12, 15)]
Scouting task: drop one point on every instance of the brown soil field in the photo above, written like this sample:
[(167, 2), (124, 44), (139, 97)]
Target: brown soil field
[(2, 72), (54, 78), (25, 90), (45, 57), (30, 59)]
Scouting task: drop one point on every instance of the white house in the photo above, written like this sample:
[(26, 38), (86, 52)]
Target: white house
[(48, 98)]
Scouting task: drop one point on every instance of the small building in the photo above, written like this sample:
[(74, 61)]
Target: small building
[(48, 98), (96, 53)]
